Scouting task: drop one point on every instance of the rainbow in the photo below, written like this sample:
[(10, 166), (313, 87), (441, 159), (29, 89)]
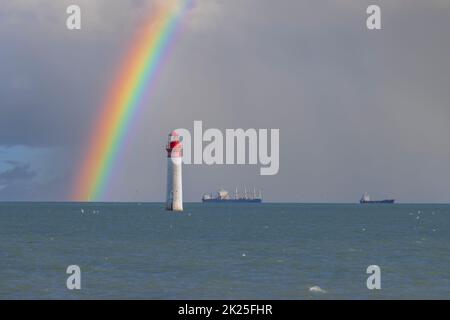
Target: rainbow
[(135, 78)]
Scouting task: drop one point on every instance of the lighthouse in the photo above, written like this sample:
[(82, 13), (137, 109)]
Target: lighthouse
[(174, 150)]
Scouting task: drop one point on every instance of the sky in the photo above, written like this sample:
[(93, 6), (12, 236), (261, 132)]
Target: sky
[(358, 110)]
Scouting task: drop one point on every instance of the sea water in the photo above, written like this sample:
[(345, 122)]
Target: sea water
[(219, 251)]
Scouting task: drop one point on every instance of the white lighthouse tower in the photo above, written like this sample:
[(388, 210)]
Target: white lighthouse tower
[(174, 174)]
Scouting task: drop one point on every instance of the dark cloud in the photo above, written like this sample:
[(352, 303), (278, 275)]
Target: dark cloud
[(357, 110), (22, 183), (18, 173), (16, 182)]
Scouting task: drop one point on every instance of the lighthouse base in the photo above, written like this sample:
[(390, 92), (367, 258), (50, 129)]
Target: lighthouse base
[(174, 207)]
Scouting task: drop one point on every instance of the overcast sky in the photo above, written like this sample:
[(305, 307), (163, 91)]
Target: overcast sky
[(357, 110)]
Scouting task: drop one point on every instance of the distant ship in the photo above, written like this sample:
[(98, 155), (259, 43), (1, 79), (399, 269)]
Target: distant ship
[(224, 197), (366, 200)]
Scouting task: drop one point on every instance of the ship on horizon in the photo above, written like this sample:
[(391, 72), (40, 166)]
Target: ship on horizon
[(365, 199), (223, 196)]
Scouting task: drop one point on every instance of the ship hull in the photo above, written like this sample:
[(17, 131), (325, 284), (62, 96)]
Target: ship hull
[(389, 201), (232, 201)]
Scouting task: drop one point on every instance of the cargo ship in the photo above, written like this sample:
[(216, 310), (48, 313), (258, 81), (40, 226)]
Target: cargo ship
[(223, 196), (365, 199)]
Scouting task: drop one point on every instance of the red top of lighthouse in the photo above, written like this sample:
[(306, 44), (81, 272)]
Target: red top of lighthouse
[(174, 146)]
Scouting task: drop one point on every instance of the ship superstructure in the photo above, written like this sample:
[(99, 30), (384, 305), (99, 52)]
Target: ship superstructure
[(224, 196)]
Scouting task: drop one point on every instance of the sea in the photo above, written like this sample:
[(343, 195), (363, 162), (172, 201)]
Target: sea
[(224, 251)]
